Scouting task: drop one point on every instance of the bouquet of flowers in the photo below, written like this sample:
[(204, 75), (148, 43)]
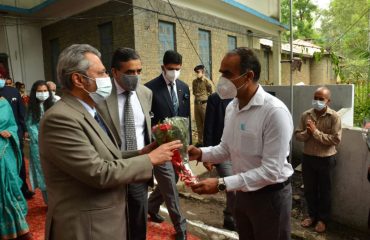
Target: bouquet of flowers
[(177, 128)]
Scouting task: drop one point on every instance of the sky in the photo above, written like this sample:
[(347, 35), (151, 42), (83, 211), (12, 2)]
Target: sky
[(323, 4)]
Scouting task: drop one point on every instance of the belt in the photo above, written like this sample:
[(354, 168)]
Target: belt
[(200, 101), (271, 188)]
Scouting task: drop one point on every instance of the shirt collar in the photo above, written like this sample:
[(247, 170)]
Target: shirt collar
[(91, 110), (257, 100)]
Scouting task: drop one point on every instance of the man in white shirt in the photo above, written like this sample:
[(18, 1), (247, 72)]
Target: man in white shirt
[(257, 132), (126, 71)]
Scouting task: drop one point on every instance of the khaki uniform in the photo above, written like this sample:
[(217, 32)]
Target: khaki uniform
[(202, 88)]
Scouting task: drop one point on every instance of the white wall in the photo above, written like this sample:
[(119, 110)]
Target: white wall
[(270, 8), (350, 187), (23, 45)]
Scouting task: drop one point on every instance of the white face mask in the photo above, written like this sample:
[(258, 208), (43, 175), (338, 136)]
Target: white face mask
[(103, 89), (42, 96), (318, 105), (226, 89), (172, 75)]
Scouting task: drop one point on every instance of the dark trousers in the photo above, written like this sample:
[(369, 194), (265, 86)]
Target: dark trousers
[(137, 210), (166, 191), (264, 215), (317, 185)]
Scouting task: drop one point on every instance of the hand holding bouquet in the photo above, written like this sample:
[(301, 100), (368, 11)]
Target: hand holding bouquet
[(177, 128)]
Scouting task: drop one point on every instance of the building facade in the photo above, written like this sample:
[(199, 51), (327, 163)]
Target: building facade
[(202, 31)]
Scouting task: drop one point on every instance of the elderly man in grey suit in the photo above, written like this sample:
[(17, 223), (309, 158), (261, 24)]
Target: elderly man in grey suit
[(85, 172), (129, 93)]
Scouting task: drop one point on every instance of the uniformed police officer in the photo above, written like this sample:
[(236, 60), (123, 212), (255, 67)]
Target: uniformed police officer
[(202, 88)]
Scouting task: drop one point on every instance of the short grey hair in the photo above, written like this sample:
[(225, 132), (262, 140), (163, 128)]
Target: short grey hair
[(51, 84), (71, 60)]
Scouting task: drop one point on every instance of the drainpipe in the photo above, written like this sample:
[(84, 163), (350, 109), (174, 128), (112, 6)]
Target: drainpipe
[(291, 71)]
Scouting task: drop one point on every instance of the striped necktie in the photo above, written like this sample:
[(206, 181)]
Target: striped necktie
[(175, 103)]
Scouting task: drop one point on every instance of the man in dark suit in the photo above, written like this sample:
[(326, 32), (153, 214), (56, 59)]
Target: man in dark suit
[(126, 70), (86, 173), (15, 100), (171, 97), (213, 128)]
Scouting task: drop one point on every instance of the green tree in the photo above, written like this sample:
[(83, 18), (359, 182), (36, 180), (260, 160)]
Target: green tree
[(304, 16), (344, 30)]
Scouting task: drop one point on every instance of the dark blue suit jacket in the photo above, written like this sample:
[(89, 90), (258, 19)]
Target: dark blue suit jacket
[(161, 103), (214, 120), (15, 100)]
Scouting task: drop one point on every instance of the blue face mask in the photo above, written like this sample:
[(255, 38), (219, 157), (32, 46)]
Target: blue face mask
[(318, 105), (2, 83)]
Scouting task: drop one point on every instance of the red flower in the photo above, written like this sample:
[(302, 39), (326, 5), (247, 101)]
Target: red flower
[(165, 127)]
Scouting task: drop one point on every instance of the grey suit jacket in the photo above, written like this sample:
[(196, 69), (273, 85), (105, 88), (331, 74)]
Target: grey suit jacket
[(86, 175), (109, 111)]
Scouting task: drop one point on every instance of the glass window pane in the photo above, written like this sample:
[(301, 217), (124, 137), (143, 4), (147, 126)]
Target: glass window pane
[(106, 43), (166, 34), (231, 42), (205, 51)]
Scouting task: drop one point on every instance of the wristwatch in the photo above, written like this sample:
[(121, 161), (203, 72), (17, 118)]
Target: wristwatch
[(221, 186)]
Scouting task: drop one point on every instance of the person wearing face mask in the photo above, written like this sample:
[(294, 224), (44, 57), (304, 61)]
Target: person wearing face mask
[(86, 172), (171, 97), (126, 70), (15, 100), (40, 102), (53, 88), (202, 88), (320, 130), (258, 129)]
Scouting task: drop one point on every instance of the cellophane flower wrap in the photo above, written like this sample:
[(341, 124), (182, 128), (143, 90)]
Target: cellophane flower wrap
[(177, 128)]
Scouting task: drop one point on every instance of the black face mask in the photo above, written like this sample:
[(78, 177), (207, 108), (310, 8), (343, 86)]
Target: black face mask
[(129, 82)]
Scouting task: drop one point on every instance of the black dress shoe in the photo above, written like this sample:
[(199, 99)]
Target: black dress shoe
[(155, 217), (180, 235), (28, 194)]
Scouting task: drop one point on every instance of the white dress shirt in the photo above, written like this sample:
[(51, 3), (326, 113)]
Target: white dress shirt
[(256, 139), (169, 87), (139, 117)]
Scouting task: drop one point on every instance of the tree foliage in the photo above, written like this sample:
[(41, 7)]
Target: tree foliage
[(304, 16), (344, 30)]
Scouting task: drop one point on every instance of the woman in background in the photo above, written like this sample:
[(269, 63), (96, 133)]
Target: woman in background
[(40, 100), (13, 206)]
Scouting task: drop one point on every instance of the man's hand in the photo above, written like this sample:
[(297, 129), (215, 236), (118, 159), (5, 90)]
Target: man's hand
[(5, 134), (164, 152), (208, 166), (311, 127), (207, 186), (194, 153), (148, 148)]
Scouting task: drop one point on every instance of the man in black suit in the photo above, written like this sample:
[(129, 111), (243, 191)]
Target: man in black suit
[(171, 97), (15, 100), (213, 128)]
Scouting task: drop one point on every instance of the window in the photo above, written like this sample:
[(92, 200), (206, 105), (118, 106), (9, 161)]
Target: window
[(166, 34), (106, 43), (205, 51), (55, 50), (231, 42)]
